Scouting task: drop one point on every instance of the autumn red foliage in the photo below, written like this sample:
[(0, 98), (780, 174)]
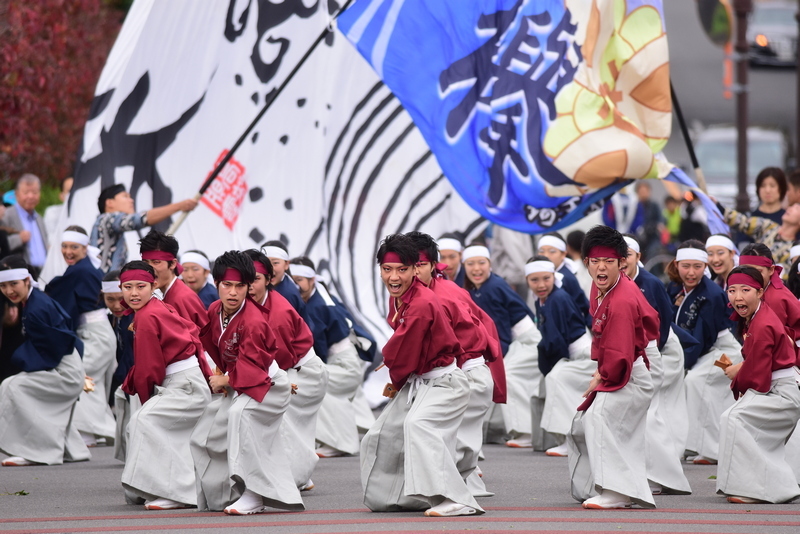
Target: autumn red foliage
[(51, 56)]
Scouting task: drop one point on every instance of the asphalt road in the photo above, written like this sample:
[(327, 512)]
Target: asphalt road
[(532, 495)]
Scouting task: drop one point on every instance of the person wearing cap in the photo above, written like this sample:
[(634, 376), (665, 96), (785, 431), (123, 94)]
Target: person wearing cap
[(753, 466), (295, 355), (278, 254), (702, 312), (607, 439), (78, 292), (723, 256), (160, 251), (564, 351), (450, 249), (518, 338), (169, 377), (407, 460), (196, 275), (36, 404), (239, 459), (117, 216), (337, 433), (667, 415), (124, 405), (555, 249), (480, 347)]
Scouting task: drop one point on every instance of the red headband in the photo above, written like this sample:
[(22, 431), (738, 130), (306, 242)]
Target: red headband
[(743, 278), (231, 275), (163, 256), (136, 274), (392, 257), (423, 257), (260, 268), (603, 252), (761, 261)]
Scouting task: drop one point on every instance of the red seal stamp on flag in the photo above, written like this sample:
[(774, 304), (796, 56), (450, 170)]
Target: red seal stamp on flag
[(226, 193)]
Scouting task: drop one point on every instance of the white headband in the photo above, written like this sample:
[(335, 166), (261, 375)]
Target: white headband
[(795, 251), (448, 243), (692, 254), (194, 257), (302, 270), (476, 251), (552, 241), (75, 237), (724, 242), (14, 274), (633, 244), (111, 287), (540, 267), (275, 252)]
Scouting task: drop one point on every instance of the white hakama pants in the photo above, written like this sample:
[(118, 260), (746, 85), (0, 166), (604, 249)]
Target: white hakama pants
[(708, 395), (300, 418), (672, 396), (364, 416), (469, 438), (124, 407), (36, 411), (523, 378), (663, 462), (408, 457), (236, 446), (607, 442), (753, 434), (336, 420), (92, 413), (564, 385), (159, 460)]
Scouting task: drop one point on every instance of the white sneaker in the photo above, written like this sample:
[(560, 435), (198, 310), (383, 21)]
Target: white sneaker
[(606, 500), (450, 508), (522, 442), (249, 503), (561, 451), (702, 460), (164, 504), (307, 486), (17, 461), (655, 487), (328, 452), (89, 439)]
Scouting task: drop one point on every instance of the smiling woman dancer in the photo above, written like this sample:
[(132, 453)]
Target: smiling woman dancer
[(752, 466), (169, 376), (36, 404)]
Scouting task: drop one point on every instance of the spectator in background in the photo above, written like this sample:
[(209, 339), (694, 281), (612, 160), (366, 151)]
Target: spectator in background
[(52, 213), (672, 216), (771, 190), (793, 188), (5, 231), (31, 237), (648, 222)]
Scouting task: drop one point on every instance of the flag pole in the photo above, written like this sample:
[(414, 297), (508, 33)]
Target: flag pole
[(698, 172), (269, 101)]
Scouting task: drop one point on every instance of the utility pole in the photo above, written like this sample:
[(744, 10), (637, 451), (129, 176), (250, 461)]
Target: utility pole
[(742, 9)]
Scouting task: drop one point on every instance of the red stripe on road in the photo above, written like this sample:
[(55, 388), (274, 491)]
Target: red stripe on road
[(576, 508), (259, 521)]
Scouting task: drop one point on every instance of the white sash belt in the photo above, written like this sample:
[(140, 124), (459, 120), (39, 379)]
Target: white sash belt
[(415, 381), (273, 369), (580, 344), (339, 346), (521, 327), (305, 359), (94, 316), (176, 367), (473, 363), (789, 372)]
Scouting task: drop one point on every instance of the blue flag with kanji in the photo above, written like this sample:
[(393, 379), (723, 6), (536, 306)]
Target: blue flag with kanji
[(535, 113)]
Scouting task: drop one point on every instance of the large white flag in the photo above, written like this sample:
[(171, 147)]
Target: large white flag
[(334, 166)]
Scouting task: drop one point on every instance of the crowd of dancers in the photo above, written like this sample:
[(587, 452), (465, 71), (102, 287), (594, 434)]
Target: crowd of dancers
[(221, 384)]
